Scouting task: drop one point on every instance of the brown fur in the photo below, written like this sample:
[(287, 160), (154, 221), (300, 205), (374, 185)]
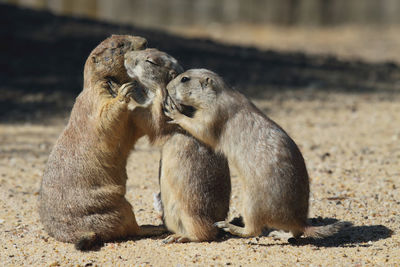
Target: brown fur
[(195, 189), (140, 65), (273, 173), (194, 181), (82, 191)]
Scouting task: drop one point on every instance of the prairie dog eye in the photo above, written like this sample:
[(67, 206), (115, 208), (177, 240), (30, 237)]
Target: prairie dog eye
[(185, 79), (151, 61)]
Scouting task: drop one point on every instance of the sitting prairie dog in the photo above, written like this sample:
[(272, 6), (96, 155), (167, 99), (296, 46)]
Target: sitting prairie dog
[(83, 187), (272, 170), (194, 181)]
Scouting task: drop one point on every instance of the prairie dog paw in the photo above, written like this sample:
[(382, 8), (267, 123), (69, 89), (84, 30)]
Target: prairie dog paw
[(175, 238), (112, 87), (171, 110), (125, 91), (224, 225), (221, 224)]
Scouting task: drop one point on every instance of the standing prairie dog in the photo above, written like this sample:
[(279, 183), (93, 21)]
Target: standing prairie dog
[(194, 181), (272, 170), (82, 195)]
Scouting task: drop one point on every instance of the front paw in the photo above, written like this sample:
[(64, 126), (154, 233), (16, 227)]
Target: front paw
[(125, 91), (171, 110)]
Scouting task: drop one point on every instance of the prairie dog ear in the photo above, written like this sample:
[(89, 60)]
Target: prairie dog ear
[(206, 82), (172, 74), (140, 97), (140, 43)]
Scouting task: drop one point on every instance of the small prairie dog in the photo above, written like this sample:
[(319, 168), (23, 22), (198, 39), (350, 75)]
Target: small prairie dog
[(272, 170), (194, 181), (82, 195)]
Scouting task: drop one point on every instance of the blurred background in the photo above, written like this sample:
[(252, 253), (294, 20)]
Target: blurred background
[(259, 46), (366, 29)]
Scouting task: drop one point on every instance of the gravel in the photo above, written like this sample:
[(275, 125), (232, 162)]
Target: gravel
[(351, 144)]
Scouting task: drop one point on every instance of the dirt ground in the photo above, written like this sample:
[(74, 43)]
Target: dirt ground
[(344, 115)]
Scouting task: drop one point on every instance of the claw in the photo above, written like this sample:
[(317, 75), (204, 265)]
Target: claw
[(221, 224), (125, 91), (170, 239), (175, 238), (128, 96)]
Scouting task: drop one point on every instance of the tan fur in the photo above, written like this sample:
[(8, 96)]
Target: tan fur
[(141, 66), (272, 170), (194, 181), (82, 191)]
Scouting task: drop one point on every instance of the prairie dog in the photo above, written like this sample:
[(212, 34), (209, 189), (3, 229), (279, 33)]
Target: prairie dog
[(271, 167), (82, 195), (194, 181), (154, 69)]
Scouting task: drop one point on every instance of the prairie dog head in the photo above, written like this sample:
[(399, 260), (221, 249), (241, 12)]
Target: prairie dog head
[(152, 67), (106, 61), (104, 70), (196, 90)]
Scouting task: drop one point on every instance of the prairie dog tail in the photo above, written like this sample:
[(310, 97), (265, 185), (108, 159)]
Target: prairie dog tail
[(324, 231), (87, 241)]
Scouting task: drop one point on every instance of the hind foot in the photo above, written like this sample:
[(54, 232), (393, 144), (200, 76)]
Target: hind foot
[(175, 238), (280, 235), (235, 230)]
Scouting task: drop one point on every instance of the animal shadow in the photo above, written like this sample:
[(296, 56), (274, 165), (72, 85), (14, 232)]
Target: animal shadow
[(350, 236), (100, 243)]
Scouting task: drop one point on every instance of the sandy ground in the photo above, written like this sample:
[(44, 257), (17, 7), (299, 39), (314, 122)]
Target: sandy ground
[(351, 144), (344, 114)]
